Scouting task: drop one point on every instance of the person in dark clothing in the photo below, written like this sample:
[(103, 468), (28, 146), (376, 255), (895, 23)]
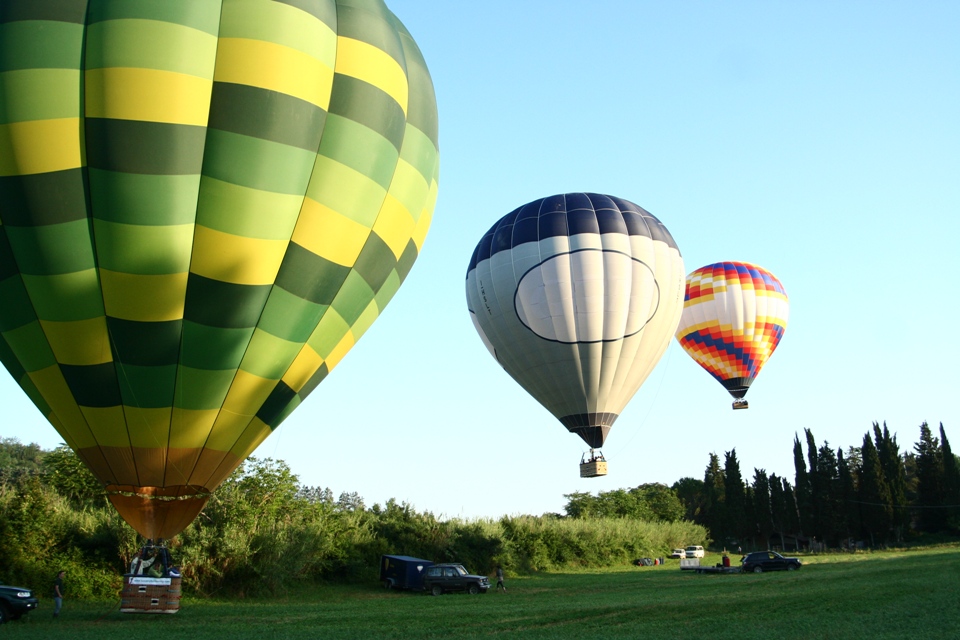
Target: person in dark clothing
[(500, 584), (58, 593)]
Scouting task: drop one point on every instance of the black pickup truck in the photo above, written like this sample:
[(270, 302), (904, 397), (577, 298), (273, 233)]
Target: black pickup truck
[(15, 602)]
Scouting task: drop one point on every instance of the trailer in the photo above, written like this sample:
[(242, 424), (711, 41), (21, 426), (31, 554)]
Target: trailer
[(693, 564), (402, 572), (718, 569), (689, 564)]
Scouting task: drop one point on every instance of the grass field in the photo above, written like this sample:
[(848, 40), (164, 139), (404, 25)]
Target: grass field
[(906, 594)]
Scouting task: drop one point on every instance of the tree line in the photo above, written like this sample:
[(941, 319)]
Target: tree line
[(263, 532), (867, 496)]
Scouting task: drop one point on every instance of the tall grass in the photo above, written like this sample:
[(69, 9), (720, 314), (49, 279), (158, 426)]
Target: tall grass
[(537, 544)]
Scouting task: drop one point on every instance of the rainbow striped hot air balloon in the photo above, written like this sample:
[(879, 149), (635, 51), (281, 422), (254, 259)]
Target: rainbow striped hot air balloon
[(734, 315), (204, 204)]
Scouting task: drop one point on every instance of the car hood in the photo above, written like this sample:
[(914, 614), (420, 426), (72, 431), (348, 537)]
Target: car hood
[(7, 587)]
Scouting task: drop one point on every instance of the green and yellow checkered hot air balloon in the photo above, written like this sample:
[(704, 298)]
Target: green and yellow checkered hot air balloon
[(204, 205)]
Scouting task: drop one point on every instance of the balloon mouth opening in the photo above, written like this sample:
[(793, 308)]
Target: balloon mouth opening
[(591, 427), (158, 512), (180, 492), (737, 387)]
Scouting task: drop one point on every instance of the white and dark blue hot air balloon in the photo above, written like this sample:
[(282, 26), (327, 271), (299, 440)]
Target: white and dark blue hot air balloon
[(577, 296)]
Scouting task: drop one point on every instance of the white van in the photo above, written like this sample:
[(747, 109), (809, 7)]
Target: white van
[(694, 551)]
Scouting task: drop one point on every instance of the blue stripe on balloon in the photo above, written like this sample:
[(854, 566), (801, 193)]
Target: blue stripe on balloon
[(567, 215)]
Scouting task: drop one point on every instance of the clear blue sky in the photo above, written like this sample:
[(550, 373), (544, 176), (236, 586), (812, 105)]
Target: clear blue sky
[(820, 140)]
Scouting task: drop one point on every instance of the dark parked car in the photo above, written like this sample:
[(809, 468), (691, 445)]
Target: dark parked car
[(15, 602), (441, 578), (760, 561)]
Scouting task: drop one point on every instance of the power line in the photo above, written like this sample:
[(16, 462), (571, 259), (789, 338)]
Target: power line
[(906, 506)]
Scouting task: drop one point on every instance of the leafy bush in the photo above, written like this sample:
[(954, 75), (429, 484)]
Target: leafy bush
[(539, 543), (262, 533), (42, 533)]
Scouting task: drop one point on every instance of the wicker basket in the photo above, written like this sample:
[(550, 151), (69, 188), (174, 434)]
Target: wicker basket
[(593, 469), (150, 595)]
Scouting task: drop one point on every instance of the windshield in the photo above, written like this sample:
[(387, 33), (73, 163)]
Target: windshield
[(461, 570)]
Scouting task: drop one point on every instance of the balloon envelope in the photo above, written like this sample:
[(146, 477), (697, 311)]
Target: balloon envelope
[(734, 314), (577, 297), (204, 205)]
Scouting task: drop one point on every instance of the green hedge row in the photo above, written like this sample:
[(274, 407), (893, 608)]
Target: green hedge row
[(262, 533)]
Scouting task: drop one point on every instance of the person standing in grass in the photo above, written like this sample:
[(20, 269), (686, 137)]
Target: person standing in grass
[(58, 593), (500, 584)]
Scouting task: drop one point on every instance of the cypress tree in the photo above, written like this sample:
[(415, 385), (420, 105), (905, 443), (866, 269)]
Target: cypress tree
[(735, 498), (762, 507), (831, 526), (778, 508), (895, 475), (854, 460), (818, 492), (748, 528), (791, 519), (713, 502), (930, 477), (951, 482), (849, 507), (875, 509), (910, 469), (801, 488)]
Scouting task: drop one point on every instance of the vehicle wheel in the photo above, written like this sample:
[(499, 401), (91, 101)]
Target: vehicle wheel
[(758, 569), (4, 616), (791, 567), (437, 590), (473, 590), (388, 584)]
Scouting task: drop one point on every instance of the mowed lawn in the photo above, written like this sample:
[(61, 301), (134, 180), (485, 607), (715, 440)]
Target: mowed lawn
[(904, 595)]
